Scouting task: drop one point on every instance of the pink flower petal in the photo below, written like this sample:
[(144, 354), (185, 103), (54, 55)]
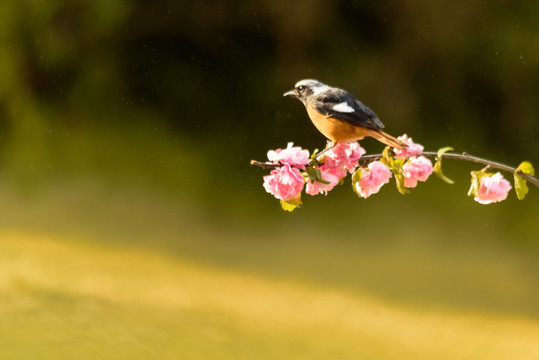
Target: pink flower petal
[(285, 183), (292, 155), (411, 150), (416, 169), (331, 174), (345, 155), (372, 179), (492, 189)]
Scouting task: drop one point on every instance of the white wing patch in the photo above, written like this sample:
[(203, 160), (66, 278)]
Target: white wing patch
[(343, 107), (319, 89)]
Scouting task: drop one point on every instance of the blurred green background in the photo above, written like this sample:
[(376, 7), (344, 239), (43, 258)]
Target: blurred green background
[(133, 227)]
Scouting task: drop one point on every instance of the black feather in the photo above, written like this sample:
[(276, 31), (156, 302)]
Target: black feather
[(361, 116)]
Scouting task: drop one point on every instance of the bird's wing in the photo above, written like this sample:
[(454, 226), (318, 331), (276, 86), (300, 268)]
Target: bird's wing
[(339, 104)]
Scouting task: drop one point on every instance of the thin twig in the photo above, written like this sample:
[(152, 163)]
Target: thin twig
[(264, 165), (432, 154)]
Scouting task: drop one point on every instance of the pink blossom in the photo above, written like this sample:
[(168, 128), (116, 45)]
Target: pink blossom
[(292, 155), (285, 183), (492, 189), (330, 165), (416, 168), (372, 179), (329, 173), (346, 155), (412, 149)]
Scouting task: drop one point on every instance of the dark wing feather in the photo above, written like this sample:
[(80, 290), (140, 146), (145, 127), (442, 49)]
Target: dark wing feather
[(361, 116)]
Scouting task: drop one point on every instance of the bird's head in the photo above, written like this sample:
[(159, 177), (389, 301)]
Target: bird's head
[(304, 90)]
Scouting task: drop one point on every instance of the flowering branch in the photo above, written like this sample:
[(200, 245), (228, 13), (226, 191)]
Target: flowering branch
[(431, 154), (292, 169)]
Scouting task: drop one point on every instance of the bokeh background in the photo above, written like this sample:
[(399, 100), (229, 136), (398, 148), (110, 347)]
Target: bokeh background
[(133, 227)]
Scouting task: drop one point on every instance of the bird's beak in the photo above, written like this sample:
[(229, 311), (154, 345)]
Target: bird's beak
[(291, 93)]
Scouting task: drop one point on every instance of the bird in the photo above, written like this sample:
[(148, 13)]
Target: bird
[(339, 116)]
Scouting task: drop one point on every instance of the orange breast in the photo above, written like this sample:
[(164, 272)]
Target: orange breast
[(334, 129)]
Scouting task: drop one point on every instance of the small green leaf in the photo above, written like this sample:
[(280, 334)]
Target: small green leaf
[(355, 179), (356, 175), (526, 167), (387, 159), (399, 179), (355, 188), (398, 163), (290, 205), (315, 174), (474, 188), (438, 166), (521, 185), (442, 151), (438, 171), (395, 165)]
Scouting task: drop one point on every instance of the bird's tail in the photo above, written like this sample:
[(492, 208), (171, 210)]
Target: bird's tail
[(388, 140)]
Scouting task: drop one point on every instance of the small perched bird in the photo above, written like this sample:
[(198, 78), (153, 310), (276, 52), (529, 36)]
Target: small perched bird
[(338, 115)]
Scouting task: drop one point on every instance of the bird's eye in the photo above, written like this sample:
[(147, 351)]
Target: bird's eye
[(301, 88)]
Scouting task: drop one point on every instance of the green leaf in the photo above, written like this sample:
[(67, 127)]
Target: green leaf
[(355, 179), (315, 174), (474, 188), (438, 166), (290, 205), (356, 175), (442, 151), (395, 165), (521, 185), (398, 163), (438, 170), (387, 159), (399, 179), (526, 167)]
